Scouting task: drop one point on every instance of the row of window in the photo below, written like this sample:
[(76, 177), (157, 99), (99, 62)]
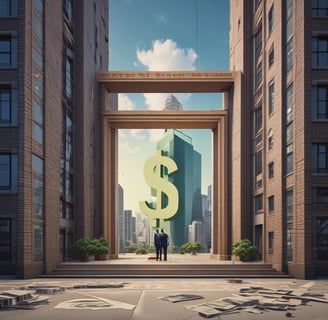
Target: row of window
[(258, 204), (67, 164)]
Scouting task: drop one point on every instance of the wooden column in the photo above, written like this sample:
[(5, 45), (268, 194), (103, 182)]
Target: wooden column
[(220, 217)]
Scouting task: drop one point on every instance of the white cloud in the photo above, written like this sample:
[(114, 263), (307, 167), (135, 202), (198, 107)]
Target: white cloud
[(167, 56), (138, 134), (125, 103), (127, 148), (155, 134), (155, 101)]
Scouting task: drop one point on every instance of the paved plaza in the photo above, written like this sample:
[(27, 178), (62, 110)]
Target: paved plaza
[(168, 298)]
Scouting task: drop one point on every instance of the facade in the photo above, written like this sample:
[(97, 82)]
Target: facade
[(275, 191), (49, 189), (178, 146), (279, 178)]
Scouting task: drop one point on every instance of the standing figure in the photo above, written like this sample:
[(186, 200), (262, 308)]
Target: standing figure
[(164, 243), (157, 244)]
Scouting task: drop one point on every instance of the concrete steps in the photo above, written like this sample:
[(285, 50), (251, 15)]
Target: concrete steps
[(161, 269)]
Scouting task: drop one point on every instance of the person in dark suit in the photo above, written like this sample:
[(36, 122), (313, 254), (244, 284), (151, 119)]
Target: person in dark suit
[(157, 244), (164, 243)]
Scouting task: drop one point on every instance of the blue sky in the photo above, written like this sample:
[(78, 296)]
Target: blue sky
[(165, 35)]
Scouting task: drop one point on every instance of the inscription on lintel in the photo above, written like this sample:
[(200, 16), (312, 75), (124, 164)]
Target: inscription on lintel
[(167, 75)]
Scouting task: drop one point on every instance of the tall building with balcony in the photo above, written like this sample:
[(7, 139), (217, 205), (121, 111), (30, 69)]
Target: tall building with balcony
[(49, 53), (279, 180)]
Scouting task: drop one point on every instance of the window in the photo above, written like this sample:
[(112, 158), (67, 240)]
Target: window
[(271, 241), (38, 187), (289, 54), (8, 8), (320, 52), (271, 19), (290, 162), (322, 238), (5, 51), (258, 120), (258, 78), (37, 122), (322, 195), (38, 242), (271, 98), (258, 203), (66, 185), (8, 172), (258, 44), (289, 241), (319, 102), (258, 163), (38, 85), (5, 240), (289, 134), (289, 205), (66, 210), (270, 140), (319, 8), (5, 105), (271, 204), (69, 10), (68, 72), (38, 28), (289, 19), (38, 5), (320, 158), (271, 57), (257, 3), (290, 102), (271, 170), (38, 57)]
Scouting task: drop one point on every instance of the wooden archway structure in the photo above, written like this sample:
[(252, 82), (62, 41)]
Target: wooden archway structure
[(215, 120)]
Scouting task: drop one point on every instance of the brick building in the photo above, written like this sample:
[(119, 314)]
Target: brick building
[(49, 53), (279, 180), (50, 141)]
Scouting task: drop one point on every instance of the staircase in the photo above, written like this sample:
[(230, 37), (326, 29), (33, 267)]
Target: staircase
[(164, 270)]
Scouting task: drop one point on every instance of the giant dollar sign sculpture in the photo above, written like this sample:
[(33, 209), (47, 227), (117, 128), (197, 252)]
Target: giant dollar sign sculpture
[(153, 177)]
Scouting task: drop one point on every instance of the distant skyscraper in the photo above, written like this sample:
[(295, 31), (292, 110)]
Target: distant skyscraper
[(196, 233), (121, 220), (172, 103), (128, 225), (178, 146)]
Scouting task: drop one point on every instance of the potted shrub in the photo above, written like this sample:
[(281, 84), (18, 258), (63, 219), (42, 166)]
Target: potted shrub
[(85, 249), (101, 250), (245, 250)]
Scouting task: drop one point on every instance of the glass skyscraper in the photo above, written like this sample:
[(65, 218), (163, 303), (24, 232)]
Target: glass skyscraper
[(178, 146)]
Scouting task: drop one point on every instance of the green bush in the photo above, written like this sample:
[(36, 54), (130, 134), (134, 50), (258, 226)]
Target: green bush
[(141, 250), (84, 246), (191, 247), (244, 249), (88, 246)]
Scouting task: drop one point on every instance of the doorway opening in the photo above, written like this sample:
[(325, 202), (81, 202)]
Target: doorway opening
[(191, 149)]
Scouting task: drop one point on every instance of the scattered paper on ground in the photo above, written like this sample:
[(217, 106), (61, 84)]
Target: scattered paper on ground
[(259, 299)]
